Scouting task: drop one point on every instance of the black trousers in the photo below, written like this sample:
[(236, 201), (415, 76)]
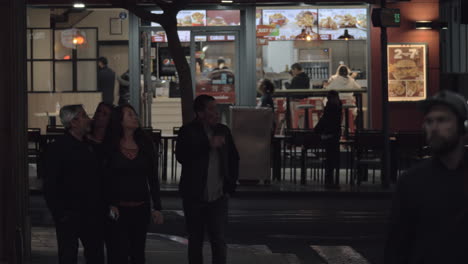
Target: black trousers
[(212, 218), (80, 226), (127, 239), (332, 163)]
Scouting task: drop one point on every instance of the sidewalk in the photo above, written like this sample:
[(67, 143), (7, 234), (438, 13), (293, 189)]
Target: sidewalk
[(285, 188), (162, 249)]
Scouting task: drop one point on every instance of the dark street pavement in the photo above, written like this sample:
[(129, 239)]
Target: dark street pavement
[(301, 226)]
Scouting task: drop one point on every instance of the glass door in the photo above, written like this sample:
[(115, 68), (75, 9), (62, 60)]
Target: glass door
[(215, 65)]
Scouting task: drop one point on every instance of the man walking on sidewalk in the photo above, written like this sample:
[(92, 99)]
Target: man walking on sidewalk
[(210, 166), (72, 189), (429, 222)]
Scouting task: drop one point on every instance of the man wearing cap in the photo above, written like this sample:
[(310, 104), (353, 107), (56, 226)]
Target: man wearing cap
[(429, 219)]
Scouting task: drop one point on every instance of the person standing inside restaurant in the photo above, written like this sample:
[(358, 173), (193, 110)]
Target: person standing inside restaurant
[(210, 167), (132, 184), (300, 79), (124, 88), (329, 128), (429, 219), (105, 81), (72, 189)]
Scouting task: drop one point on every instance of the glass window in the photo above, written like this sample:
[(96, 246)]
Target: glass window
[(88, 49), (87, 76), (42, 44), (42, 76), (63, 46), (63, 76)]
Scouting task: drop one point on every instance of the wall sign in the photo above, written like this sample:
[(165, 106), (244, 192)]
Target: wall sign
[(407, 71)]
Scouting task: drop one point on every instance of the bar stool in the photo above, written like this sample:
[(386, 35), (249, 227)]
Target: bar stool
[(346, 107), (306, 108)]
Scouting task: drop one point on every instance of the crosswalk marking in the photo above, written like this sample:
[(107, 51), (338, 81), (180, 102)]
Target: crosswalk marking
[(339, 255)]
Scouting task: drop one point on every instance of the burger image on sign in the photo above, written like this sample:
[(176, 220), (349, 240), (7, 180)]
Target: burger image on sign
[(405, 70)]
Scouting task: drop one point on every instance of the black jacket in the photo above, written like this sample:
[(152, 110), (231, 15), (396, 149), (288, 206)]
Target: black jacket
[(330, 122), (105, 84), (193, 150), (301, 81), (429, 220), (72, 181)]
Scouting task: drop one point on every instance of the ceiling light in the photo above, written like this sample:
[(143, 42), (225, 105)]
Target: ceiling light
[(227, 1), (423, 24), (79, 5), (346, 36)]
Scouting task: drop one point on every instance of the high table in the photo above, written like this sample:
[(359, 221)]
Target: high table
[(304, 93)]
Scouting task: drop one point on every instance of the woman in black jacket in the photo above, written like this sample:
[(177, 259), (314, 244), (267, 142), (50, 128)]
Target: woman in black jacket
[(329, 127), (132, 184)]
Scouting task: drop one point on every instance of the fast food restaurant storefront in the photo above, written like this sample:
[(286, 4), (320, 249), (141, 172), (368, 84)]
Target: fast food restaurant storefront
[(263, 41)]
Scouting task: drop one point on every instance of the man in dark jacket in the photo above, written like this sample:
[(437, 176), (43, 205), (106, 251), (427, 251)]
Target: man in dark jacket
[(300, 79), (72, 189), (105, 81), (210, 166), (429, 220)]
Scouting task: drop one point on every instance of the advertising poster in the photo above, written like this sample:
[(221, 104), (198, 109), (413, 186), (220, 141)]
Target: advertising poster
[(290, 23), (160, 36), (191, 18), (407, 72), (333, 22), (223, 17)]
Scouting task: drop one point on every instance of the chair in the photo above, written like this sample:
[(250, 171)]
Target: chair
[(409, 149), (36, 147), (310, 154), (368, 151), (175, 132)]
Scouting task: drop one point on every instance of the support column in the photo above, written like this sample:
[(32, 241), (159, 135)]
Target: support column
[(15, 234)]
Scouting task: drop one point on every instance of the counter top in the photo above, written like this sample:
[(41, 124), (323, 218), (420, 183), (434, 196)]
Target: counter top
[(314, 92)]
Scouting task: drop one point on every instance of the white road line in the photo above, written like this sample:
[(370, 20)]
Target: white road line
[(340, 255)]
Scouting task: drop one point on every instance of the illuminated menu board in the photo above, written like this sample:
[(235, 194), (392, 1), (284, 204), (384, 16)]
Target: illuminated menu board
[(323, 23), (160, 36), (287, 24), (333, 22), (201, 18)]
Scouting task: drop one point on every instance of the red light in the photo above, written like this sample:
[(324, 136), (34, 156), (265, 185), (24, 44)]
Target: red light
[(67, 57)]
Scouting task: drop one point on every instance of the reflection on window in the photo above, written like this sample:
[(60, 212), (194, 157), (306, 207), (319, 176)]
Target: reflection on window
[(87, 76), (42, 77), (42, 48), (64, 76), (55, 56), (87, 50), (62, 50)]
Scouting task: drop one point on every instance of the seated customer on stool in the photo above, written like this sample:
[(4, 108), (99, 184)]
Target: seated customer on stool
[(329, 127)]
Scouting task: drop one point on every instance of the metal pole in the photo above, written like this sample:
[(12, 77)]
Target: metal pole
[(385, 112), (147, 92)]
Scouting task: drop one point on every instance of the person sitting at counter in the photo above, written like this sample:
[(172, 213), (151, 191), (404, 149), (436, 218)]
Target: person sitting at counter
[(300, 79), (342, 80)]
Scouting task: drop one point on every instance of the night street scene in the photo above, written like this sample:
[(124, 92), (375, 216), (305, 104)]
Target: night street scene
[(234, 131)]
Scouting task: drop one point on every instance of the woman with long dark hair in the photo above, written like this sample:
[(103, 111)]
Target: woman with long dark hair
[(132, 185)]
